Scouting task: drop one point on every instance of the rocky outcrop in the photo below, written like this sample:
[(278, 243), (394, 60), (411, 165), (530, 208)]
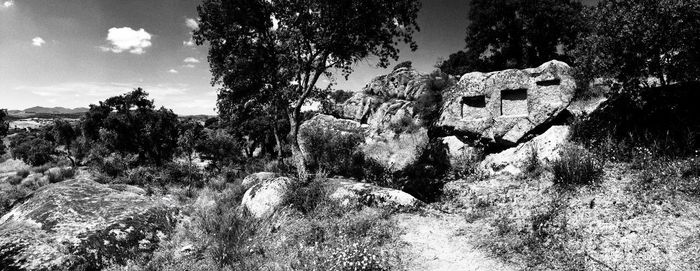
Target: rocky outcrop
[(545, 148), (265, 198), (81, 224), (257, 178), (503, 107), (390, 113)]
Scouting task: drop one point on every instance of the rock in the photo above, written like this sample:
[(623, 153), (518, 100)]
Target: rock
[(514, 160), (53, 171), (459, 149), (405, 84), (585, 107), (359, 107), (349, 192), (264, 198), (82, 224), (257, 178), (503, 107)]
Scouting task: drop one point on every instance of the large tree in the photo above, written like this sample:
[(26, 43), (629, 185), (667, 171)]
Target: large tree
[(641, 42), (504, 34), (273, 52)]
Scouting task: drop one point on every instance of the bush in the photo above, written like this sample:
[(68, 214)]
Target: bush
[(23, 173), (143, 176), (577, 166), (32, 149), (182, 173), (334, 152), (60, 175), (307, 196)]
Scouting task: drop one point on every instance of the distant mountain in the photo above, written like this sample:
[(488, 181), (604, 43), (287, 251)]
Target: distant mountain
[(54, 110)]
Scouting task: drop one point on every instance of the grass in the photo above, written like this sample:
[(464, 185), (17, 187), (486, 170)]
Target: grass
[(577, 166)]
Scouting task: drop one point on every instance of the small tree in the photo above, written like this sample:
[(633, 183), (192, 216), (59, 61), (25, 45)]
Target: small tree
[(191, 134), (275, 51), (220, 148), (64, 134)]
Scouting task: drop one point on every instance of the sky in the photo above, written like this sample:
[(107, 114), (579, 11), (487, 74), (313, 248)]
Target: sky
[(73, 53)]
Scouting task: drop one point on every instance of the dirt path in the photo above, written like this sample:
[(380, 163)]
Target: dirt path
[(436, 242)]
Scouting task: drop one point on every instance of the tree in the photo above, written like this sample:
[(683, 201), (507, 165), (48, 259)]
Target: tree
[(505, 34), (634, 41), (219, 148), (64, 134), (129, 124), (4, 128), (190, 135), (273, 52), (32, 148)]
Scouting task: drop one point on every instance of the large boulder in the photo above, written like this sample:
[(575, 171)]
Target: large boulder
[(81, 224), (545, 148), (503, 107), (264, 199), (349, 192)]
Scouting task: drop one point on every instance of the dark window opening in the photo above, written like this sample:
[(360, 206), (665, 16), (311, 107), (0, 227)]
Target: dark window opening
[(553, 82), (514, 102), (475, 101)]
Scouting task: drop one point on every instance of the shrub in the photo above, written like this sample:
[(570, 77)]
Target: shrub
[(307, 196), (466, 163), (182, 173), (35, 181), (115, 164), (335, 152), (16, 179), (32, 149), (577, 166), (228, 231), (23, 173), (60, 175), (144, 176)]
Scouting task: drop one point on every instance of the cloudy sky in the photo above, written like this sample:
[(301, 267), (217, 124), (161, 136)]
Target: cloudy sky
[(72, 53)]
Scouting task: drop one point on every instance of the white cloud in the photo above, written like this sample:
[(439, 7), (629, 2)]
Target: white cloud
[(188, 43), (191, 23), (173, 71), (8, 4), (191, 60), (127, 39), (38, 41)]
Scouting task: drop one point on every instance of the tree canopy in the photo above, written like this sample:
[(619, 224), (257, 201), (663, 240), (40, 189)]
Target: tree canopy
[(271, 54), (504, 34), (641, 42), (4, 128), (129, 123)]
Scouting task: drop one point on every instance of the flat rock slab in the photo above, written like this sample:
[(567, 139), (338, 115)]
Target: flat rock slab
[(82, 223)]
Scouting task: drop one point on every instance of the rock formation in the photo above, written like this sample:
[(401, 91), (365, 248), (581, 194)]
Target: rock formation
[(83, 224), (503, 107), (266, 197), (390, 112)]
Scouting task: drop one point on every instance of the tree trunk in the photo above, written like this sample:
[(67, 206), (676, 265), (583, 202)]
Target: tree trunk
[(294, 124), (277, 141)]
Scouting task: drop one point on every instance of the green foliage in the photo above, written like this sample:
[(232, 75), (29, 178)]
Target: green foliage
[(32, 149), (506, 34), (577, 166), (635, 40), (129, 124)]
